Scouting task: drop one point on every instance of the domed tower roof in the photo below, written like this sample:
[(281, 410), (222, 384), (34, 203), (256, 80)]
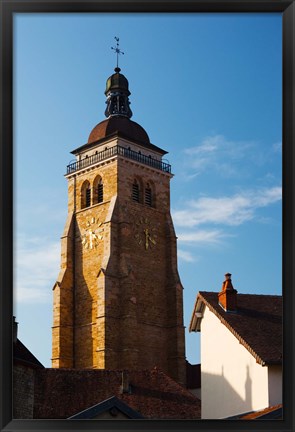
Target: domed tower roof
[(121, 125)]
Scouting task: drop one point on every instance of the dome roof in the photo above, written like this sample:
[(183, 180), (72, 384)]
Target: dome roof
[(119, 124), (117, 81)]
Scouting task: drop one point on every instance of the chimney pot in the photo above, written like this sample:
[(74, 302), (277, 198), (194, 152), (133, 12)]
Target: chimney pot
[(227, 298)]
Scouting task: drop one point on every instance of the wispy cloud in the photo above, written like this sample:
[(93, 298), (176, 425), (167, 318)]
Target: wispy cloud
[(208, 146), (202, 236), (227, 210), (228, 158), (218, 153), (37, 265), (186, 256)]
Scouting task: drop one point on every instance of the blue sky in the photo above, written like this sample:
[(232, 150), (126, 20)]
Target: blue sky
[(206, 88)]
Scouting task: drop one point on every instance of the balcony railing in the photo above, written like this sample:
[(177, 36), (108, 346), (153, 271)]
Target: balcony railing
[(121, 151)]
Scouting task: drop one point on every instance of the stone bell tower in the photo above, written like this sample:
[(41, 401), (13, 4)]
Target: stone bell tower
[(118, 297)]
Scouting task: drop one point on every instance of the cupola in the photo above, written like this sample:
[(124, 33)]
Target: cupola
[(117, 93), (118, 111), (117, 81), (227, 297)]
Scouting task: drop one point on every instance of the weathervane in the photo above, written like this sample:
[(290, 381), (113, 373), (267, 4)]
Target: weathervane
[(117, 50)]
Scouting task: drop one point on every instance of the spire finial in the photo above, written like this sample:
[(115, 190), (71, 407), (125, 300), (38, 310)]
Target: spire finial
[(117, 51)]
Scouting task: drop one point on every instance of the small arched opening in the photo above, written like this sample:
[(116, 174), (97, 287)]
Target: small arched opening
[(85, 194)]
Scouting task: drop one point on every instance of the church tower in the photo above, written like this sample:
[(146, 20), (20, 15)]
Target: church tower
[(118, 297)]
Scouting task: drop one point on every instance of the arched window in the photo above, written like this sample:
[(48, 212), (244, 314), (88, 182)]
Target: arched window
[(97, 190), (148, 199), (85, 195), (135, 191)]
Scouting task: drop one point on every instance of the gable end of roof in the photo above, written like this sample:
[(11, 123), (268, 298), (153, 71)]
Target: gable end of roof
[(107, 405), (210, 299)]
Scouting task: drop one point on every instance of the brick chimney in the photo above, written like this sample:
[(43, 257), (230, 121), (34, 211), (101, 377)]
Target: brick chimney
[(227, 298)]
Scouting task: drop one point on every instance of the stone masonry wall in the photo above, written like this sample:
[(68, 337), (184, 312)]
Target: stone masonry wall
[(90, 262), (62, 328), (127, 302)]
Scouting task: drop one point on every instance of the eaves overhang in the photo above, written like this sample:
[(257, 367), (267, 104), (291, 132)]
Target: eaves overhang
[(89, 146), (196, 319)]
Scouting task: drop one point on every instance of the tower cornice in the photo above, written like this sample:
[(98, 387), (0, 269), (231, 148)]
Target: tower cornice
[(118, 134), (114, 153)]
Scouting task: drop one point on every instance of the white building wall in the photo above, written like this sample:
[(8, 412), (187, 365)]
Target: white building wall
[(232, 382), (275, 385)]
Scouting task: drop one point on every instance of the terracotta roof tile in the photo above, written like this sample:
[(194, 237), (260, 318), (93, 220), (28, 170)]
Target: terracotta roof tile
[(257, 324), (61, 393), (274, 412)]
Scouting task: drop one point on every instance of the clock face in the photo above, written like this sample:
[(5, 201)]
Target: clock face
[(145, 233), (93, 233)]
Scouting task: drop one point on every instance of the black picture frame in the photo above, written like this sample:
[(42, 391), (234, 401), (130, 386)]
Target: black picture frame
[(10, 7)]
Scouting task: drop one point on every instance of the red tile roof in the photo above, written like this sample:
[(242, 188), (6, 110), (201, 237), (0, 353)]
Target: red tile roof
[(257, 324), (61, 393), (274, 412)]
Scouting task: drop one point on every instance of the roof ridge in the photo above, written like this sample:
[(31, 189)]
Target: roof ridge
[(178, 386), (246, 294)]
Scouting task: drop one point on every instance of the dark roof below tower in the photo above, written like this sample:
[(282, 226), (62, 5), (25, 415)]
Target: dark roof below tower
[(257, 324), (113, 405), (62, 393), (21, 355)]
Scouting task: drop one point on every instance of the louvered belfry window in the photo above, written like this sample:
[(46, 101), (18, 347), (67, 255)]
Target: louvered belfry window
[(85, 195), (100, 193), (88, 197), (135, 191), (148, 196)]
